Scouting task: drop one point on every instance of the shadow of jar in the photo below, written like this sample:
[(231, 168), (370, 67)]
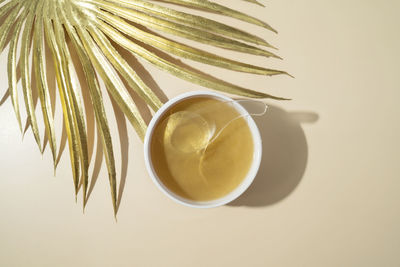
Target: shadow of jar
[(284, 160)]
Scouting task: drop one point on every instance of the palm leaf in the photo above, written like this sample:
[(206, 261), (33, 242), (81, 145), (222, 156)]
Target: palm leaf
[(98, 29), (43, 88)]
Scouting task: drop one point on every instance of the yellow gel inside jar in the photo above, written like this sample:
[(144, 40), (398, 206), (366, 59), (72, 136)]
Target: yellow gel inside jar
[(186, 158)]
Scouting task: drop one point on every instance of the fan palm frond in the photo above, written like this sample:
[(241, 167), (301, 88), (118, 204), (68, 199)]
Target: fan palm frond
[(95, 27)]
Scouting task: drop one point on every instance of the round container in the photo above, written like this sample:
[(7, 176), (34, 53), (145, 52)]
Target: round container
[(238, 190)]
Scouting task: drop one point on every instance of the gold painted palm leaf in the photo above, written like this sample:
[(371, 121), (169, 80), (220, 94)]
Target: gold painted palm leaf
[(92, 29)]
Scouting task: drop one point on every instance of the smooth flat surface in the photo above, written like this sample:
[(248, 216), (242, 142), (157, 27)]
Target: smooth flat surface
[(327, 193)]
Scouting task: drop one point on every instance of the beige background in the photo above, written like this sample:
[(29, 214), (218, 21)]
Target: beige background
[(328, 190)]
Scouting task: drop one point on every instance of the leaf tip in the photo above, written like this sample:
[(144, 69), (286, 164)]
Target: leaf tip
[(276, 56), (290, 75)]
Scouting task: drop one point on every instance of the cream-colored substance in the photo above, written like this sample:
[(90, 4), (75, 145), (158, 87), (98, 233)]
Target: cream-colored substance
[(179, 155)]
